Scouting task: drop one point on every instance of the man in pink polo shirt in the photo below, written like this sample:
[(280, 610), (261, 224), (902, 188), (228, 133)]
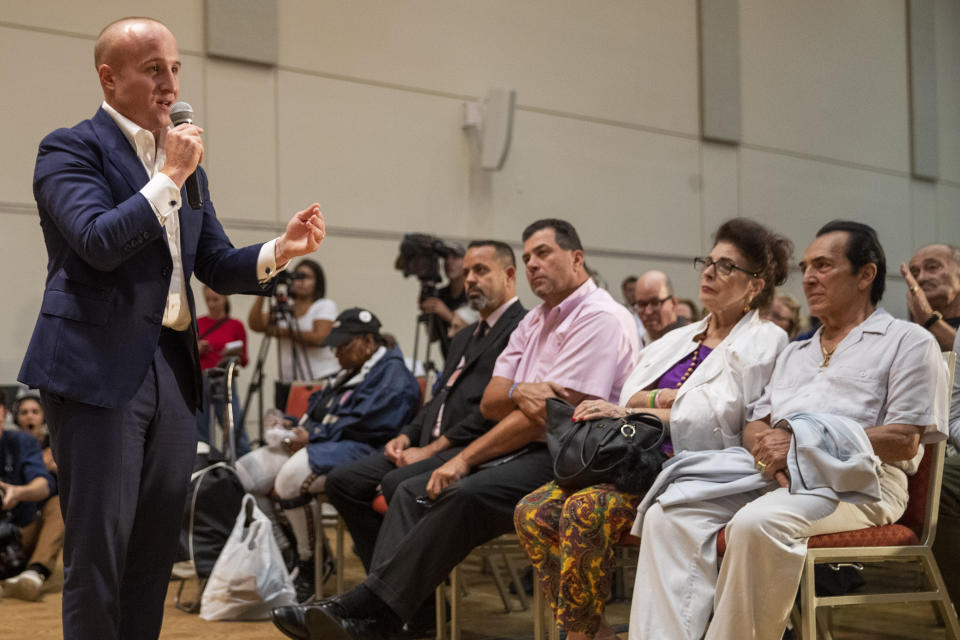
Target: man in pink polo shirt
[(578, 344)]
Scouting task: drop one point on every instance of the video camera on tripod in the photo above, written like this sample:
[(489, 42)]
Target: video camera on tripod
[(421, 255)]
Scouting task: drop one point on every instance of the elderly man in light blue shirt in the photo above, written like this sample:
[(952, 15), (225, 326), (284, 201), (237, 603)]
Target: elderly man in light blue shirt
[(885, 374)]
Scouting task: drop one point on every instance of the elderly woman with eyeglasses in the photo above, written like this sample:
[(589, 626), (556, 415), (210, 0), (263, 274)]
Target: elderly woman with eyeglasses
[(699, 380)]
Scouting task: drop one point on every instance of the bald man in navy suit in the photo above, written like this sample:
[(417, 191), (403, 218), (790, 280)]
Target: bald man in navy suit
[(114, 349)]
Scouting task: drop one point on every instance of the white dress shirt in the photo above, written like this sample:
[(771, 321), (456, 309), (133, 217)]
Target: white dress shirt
[(164, 197)]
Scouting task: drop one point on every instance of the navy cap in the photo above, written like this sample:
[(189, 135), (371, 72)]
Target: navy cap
[(352, 322)]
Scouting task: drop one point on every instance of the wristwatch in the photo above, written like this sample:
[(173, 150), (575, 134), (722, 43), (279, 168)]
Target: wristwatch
[(934, 318)]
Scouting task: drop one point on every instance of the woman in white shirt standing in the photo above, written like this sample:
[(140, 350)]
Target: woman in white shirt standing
[(314, 315)]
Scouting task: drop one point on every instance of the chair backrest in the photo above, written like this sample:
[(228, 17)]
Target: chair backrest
[(924, 485), (299, 395)]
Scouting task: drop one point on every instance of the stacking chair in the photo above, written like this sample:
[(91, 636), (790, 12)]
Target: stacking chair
[(910, 539), (501, 548)]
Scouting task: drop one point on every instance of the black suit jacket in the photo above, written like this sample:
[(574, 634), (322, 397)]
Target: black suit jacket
[(462, 421)]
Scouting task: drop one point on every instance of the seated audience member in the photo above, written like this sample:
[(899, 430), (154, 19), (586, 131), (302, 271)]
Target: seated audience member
[(449, 298), (878, 386), (25, 484), (578, 344), (215, 331), (698, 380), (356, 413), (948, 523), (628, 287), (656, 306), (933, 290), (452, 418), (302, 352), (28, 416), (687, 310), (784, 311)]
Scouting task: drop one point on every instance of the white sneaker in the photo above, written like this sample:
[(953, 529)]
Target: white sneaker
[(27, 585)]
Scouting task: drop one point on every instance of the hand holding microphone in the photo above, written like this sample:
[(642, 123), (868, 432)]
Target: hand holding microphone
[(184, 151)]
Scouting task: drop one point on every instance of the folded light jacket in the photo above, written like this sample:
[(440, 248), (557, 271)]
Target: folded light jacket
[(830, 456)]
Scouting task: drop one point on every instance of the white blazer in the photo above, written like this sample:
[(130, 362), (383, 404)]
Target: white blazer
[(710, 409)]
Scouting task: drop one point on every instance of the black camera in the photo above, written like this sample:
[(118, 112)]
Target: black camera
[(286, 277), (420, 256)]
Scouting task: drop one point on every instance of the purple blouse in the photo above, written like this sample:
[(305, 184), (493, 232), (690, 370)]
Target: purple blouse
[(671, 380)]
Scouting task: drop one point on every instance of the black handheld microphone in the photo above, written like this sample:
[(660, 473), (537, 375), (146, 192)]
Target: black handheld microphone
[(181, 113)]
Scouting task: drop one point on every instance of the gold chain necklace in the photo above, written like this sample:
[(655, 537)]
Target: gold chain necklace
[(827, 354)]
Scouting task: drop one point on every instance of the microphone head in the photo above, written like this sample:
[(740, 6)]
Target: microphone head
[(181, 112)]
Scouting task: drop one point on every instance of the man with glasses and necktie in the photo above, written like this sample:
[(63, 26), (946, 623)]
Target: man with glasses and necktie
[(656, 306)]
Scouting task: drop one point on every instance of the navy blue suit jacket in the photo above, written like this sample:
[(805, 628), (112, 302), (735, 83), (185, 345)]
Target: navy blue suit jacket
[(109, 266)]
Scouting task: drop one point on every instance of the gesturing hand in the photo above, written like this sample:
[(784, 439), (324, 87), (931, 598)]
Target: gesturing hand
[(303, 235), (917, 302)]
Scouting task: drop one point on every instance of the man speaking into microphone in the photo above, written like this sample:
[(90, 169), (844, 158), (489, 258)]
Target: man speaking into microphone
[(114, 348)]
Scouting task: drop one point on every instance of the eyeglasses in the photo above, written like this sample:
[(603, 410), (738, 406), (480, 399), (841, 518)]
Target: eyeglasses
[(723, 266), (654, 304)]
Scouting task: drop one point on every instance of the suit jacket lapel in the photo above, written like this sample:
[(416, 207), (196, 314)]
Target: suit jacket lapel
[(118, 150), (492, 334)]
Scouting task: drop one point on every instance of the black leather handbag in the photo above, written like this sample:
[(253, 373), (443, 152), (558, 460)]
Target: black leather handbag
[(624, 451)]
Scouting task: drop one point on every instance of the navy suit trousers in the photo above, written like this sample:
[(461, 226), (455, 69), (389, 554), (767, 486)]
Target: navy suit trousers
[(123, 482)]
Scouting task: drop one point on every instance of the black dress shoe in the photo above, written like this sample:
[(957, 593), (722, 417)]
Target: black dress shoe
[(291, 621), (329, 621)]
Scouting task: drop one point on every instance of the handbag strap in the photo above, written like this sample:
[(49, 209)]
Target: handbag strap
[(584, 463), (198, 476), (219, 323), (651, 421)]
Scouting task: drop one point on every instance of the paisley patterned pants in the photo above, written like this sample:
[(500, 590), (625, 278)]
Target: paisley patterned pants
[(569, 537)]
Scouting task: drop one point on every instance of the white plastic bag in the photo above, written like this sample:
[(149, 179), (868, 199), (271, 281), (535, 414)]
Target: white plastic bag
[(249, 578)]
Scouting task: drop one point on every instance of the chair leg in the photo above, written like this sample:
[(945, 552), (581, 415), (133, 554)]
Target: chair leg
[(539, 612), (944, 605), (441, 600), (517, 583), (339, 553), (808, 596), (319, 557), (455, 578)]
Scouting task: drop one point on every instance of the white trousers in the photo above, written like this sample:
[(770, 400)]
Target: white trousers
[(267, 469), (678, 585)]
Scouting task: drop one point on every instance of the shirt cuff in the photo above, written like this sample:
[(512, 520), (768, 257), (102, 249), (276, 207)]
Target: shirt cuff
[(162, 194), (267, 261)]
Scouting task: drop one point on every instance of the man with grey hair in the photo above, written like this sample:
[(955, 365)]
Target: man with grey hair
[(656, 306), (933, 290)]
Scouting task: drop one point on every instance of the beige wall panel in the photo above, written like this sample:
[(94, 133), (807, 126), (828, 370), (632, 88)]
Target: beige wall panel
[(827, 78), (373, 158), (623, 189), (61, 90), (240, 146), (796, 197), (184, 17), (23, 258), (58, 89), (948, 214), (923, 215), (947, 16), (625, 60), (721, 188)]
